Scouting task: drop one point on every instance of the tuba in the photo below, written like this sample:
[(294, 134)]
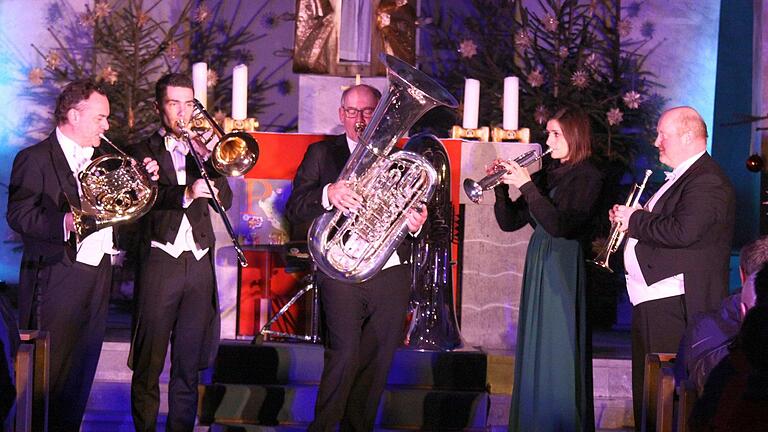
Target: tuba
[(433, 324), (117, 188), (616, 236), (354, 247)]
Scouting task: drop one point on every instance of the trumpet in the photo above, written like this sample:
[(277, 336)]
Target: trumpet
[(617, 236), (475, 189)]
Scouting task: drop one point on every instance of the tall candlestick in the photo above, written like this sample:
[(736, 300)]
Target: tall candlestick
[(200, 82), (511, 95), (471, 103), (240, 92)]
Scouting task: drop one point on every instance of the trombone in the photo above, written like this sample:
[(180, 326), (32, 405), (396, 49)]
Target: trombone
[(617, 235), (234, 155)]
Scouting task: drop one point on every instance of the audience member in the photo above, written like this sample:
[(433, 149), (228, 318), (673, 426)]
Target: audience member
[(709, 334), (735, 397)]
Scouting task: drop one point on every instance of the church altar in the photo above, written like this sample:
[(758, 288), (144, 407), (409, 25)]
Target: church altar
[(487, 266)]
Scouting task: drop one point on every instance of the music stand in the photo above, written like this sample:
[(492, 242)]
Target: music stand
[(297, 255)]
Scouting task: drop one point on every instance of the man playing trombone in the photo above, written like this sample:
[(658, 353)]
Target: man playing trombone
[(176, 298)]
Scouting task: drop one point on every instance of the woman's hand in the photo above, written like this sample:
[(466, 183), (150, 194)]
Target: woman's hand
[(516, 175)]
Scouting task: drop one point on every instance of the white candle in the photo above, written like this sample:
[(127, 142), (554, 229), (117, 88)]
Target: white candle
[(511, 95), (200, 82), (240, 92), (471, 103)]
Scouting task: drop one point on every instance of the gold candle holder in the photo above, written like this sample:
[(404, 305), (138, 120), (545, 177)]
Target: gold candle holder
[(480, 134), (247, 125), (522, 135)]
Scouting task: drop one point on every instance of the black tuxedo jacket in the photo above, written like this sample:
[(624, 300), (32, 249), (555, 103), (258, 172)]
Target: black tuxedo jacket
[(41, 189), (321, 165), (690, 231), (162, 222)]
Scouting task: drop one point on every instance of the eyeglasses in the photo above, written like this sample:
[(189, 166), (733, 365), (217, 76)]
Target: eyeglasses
[(353, 112)]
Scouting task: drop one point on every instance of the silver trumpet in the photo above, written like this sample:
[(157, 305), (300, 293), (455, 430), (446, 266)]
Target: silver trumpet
[(475, 189), (617, 235)]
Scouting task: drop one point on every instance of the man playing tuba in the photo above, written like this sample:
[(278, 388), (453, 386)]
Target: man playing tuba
[(364, 321)]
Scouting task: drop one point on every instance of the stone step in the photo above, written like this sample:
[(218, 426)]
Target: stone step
[(301, 365), (284, 363), (401, 407)]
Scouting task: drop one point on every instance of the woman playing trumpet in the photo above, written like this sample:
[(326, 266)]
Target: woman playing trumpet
[(553, 366)]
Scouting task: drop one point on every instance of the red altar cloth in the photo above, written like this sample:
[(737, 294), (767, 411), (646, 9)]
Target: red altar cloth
[(267, 283)]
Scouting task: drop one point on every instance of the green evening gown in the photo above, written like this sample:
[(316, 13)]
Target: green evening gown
[(553, 364)]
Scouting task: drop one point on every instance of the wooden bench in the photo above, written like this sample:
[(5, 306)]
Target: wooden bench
[(32, 381)]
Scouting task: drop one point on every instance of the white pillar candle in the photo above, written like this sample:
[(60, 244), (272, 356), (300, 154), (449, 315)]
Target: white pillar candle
[(511, 95), (240, 92), (471, 103), (200, 82)]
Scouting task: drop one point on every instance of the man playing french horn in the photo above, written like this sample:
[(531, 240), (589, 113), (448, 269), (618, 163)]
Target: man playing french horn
[(64, 282), (363, 321)]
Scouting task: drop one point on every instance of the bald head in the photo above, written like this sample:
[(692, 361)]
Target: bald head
[(682, 134), (357, 105)]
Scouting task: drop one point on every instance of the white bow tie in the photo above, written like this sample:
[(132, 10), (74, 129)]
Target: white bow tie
[(669, 175), (172, 144)]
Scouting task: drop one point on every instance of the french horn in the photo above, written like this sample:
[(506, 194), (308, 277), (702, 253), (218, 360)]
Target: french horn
[(116, 188), (354, 247)]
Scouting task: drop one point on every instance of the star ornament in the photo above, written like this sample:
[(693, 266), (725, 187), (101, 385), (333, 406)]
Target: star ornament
[(523, 40), (580, 79), (212, 78), (201, 14), (52, 60), (614, 116), (541, 114), (35, 76), (101, 9), (468, 48), (536, 78), (632, 99), (551, 23), (625, 28)]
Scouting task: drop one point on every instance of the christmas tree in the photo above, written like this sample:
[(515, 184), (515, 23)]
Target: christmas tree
[(127, 49), (568, 53)]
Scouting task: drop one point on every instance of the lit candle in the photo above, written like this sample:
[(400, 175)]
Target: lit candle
[(240, 92), (511, 92), (471, 103), (200, 82)]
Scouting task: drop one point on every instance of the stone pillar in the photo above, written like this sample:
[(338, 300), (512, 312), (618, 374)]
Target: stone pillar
[(493, 260)]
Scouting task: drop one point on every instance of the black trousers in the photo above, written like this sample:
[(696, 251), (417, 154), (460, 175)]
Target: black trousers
[(364, 327), (657, 326), (174, 302), (71, 303)]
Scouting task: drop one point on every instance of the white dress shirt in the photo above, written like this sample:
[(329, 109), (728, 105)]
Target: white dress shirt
[(184, 240), (639, 291), (92, 248)]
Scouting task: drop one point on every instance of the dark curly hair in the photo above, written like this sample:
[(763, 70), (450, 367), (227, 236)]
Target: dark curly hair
[(72, 95)]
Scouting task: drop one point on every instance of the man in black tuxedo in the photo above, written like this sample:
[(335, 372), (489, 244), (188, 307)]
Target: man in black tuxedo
[(63, 285), (679, 244), (176, 298), (363, 321)]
